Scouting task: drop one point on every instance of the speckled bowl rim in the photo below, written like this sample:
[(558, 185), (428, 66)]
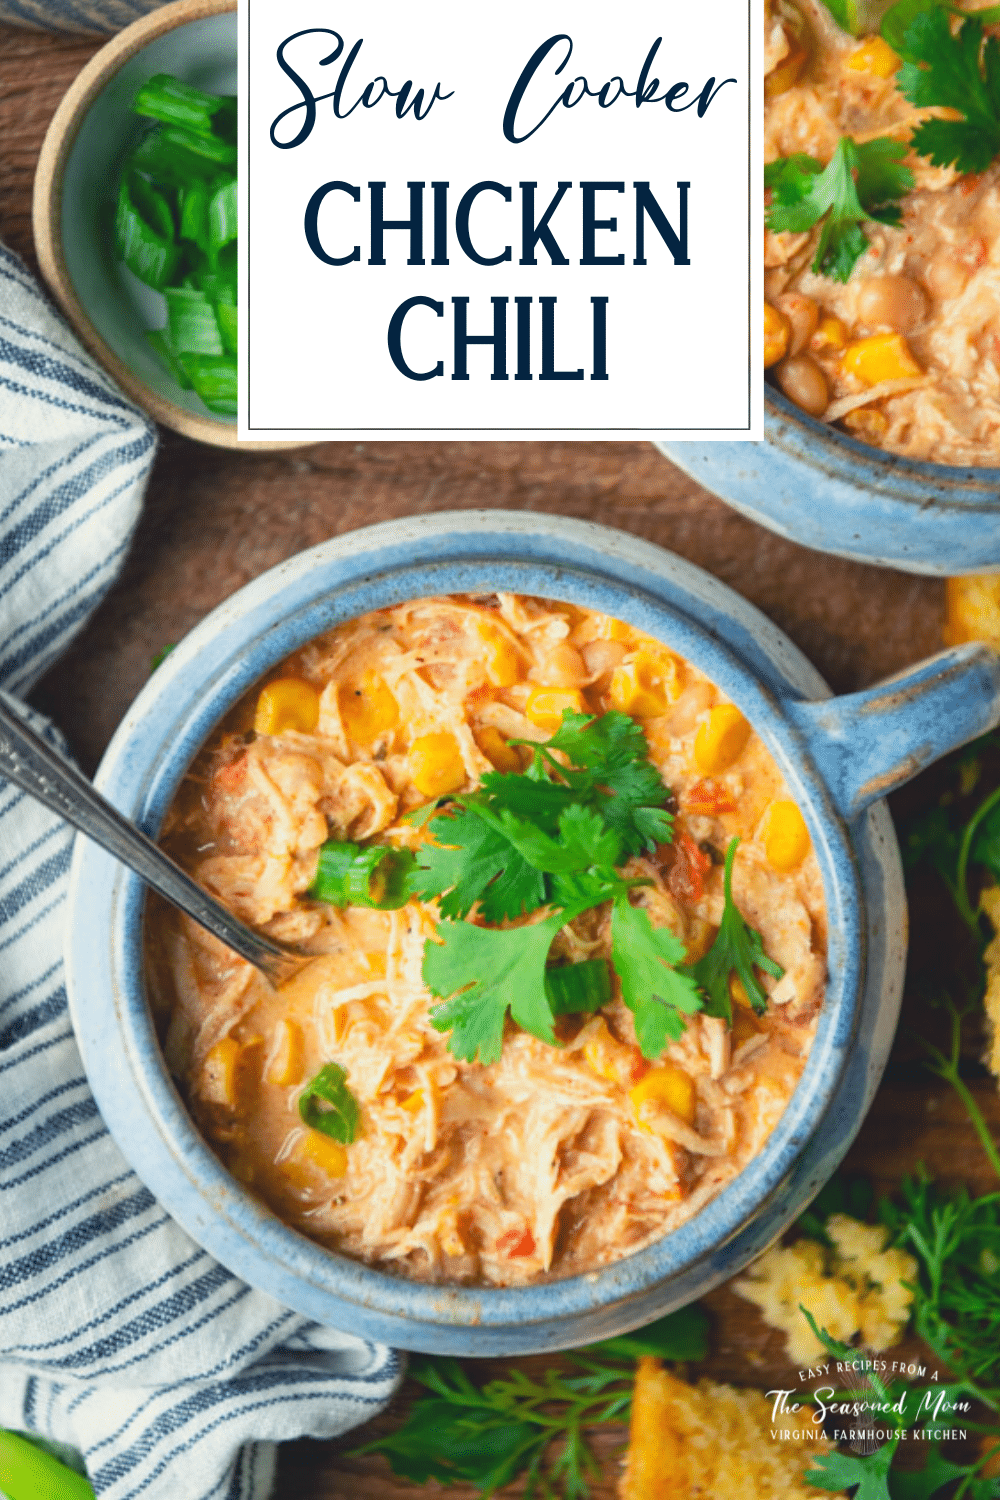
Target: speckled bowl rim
[(290, 605), (50, 173)]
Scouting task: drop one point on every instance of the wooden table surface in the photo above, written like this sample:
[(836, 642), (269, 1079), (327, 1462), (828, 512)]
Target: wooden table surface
[(213, 520)]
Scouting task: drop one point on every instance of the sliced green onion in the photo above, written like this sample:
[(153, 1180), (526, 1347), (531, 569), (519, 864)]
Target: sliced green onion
[(191, 321), (215, 380), (228, 320), (572, 988), (341, 1119), (222, 217), (194, 201), (348, 875), (168, 163), (207, 146), (28, 1473), (175, 103), (144, 248), (176, 230), (160, 340)]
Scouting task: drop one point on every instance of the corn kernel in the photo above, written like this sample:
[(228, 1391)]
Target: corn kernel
[(777, 332), (607, 628), (436, 764), (738, 993), (545, 706), (973, 610), (413, 1103), (501, 660), (288, 703), (786, 74), (884, 356), (786, 837), (646, 686), (666, 1085), (609, 1058), (225, 1073), (745, 1025), (867, 422), (721, 739), (875, 56), (367, 709), (831, 333), (285, 1066), (327, 1154), (496, 749)]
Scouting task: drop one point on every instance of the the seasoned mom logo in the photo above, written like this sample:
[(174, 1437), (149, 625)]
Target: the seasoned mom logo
[(865, 1412)]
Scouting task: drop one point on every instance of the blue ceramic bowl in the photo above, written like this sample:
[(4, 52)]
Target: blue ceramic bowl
[(814, 484), (839, 757)]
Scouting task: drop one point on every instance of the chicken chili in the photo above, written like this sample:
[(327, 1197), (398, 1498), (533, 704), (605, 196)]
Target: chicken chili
[(568, 928), (882, 251)]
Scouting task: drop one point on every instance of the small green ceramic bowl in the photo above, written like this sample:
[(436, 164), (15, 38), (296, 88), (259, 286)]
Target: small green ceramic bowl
[(91, 134)]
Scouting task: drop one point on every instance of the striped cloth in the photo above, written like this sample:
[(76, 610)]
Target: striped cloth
[(118, 1335)]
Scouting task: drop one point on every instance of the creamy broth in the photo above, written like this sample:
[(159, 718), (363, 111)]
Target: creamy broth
[(554, 1159)]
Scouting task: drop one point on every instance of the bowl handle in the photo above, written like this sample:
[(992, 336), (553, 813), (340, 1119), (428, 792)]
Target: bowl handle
[(867, 744)]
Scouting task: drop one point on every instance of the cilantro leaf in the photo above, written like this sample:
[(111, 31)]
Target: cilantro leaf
[(841, 1471), (583, 840), (471, 861), (861, 181), (611, 772), (481, 973), (655, 991), (957, 72), (739, 949)]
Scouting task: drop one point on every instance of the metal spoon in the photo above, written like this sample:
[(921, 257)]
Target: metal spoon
[(39, 770)]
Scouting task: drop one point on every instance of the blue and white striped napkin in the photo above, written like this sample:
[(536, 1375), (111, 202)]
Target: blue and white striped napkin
[(118, 1335)]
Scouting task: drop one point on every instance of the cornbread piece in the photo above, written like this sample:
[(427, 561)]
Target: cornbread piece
[(973, 612), (854, 1288), (713, 1442)]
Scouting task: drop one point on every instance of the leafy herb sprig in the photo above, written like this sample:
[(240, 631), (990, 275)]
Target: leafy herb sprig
[(551, 838), (959, 71), (861, 181), (549, 843), (898, 1409), (489, 1434)]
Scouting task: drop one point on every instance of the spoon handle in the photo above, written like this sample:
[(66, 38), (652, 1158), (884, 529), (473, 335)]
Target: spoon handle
[(39, 770)]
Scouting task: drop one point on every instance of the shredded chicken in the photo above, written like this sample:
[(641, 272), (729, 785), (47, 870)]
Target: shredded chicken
[(537, 1164)]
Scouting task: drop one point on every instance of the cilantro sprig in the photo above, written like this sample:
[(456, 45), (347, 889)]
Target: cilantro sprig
[(862, 181), (540, 848), (738, 949), (552, 838), (959, 71), (489, 1434)]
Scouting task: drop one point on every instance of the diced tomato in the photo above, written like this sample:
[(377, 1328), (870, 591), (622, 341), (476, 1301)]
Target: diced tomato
[(709, 797), (687, 873), (516, 1242), (230, 777)]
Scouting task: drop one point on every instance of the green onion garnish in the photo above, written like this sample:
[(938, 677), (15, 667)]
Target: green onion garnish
[(348, 875), (175, 229), (327, 1104), (572, 988)]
